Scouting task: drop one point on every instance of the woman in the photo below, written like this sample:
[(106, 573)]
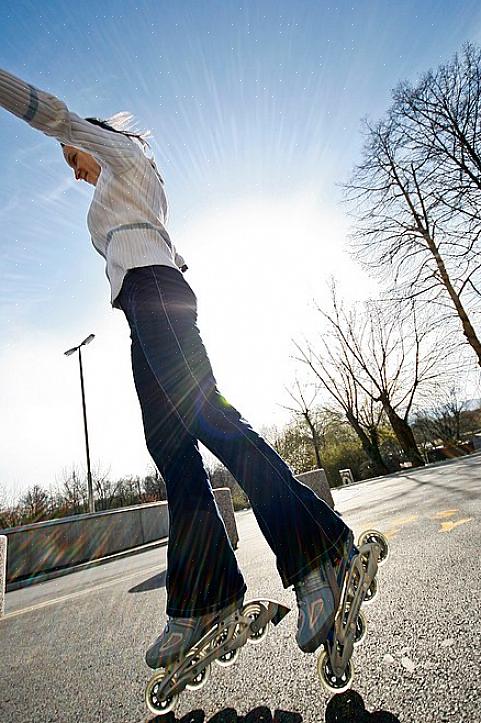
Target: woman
[(179, 399)]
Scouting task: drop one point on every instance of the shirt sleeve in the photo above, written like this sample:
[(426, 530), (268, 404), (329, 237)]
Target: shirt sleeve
[(50, 115)]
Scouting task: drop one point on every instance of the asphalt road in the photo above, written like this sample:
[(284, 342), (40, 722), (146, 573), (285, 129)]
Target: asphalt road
[(71, 649)]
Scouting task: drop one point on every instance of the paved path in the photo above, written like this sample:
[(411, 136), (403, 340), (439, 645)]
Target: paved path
[(72, 648)]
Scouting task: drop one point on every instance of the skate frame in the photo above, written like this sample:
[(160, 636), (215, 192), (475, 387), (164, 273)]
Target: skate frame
[(362, 571)]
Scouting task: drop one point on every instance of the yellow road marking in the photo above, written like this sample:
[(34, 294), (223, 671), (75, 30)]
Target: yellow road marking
[(73, 595), (405, 520), (392, 533), (397, 524), (448, 526), (445, 513)]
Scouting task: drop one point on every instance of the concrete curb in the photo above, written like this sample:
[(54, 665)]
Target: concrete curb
[(43, 577)]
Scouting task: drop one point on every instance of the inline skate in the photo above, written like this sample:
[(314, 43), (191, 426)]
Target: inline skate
[(220, 644), (357, 583)]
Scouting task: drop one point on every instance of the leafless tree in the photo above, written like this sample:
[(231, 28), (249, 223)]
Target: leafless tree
[(311, 416), (154, 485), (34, 504), (332, 368), (294, 444), (106, 490), (445, 420), (128, 491), (441, 121), (73, 492), (416, 194), (10, 512), (373, 352)]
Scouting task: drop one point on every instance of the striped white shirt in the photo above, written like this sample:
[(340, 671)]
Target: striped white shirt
[(127, 216)]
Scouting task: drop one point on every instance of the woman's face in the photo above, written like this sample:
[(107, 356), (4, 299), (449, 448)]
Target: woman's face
[(84, 165)]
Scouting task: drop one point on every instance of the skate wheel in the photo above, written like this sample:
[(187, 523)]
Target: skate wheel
[(361, 628), (252, 611), (374, 536), (354, 582), (371, 592), (156, 703), (331, 682), (201, 678), (228, 659), (230, 656)]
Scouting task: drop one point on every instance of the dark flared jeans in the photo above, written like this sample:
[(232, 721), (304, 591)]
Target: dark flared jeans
[(181, 405)]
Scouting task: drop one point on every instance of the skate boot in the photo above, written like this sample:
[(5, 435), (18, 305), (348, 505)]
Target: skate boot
[(181, 634), (356, 580), (318, 595), (184, 652)]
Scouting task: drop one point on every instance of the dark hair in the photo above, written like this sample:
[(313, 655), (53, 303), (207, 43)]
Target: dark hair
[(103, 124)]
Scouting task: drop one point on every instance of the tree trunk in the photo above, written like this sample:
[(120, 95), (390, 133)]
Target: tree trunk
[(369, 446), (315, 439), (468, 329), (404, 434)]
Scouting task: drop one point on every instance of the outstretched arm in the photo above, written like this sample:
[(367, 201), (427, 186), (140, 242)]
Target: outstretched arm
[(50, 115)]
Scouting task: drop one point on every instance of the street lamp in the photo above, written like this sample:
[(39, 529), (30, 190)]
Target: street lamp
[(89, 474)]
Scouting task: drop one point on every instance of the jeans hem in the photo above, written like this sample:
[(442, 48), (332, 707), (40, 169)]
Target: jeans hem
[(213, 608), (313, 564)]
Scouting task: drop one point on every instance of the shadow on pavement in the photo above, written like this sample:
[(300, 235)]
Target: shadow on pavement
[(343, 708), (349, 707), (229, 715), (153, 583)]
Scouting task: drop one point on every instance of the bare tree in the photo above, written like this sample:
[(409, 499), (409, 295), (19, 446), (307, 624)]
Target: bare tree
[(294, 444), (154, 486), (34, 504), (73, 492), (441, 121), (373, 353), (311, 416), (332, 368), (446, 420), (106, 490), (128, 492), (416, 194), (10, 513)]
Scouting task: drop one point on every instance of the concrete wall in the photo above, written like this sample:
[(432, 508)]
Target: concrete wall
[(55, 544), (3, 572)]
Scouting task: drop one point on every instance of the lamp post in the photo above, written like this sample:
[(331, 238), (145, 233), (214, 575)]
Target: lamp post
[(89, 474)]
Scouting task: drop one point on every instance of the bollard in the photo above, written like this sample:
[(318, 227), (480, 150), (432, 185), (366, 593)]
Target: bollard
[(3, 572), (316, 479), (223, 498), (346, 476)]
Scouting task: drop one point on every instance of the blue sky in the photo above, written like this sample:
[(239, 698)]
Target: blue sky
[(255, 108)]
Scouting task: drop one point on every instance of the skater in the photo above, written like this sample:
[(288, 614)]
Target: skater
[(179, 399)]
